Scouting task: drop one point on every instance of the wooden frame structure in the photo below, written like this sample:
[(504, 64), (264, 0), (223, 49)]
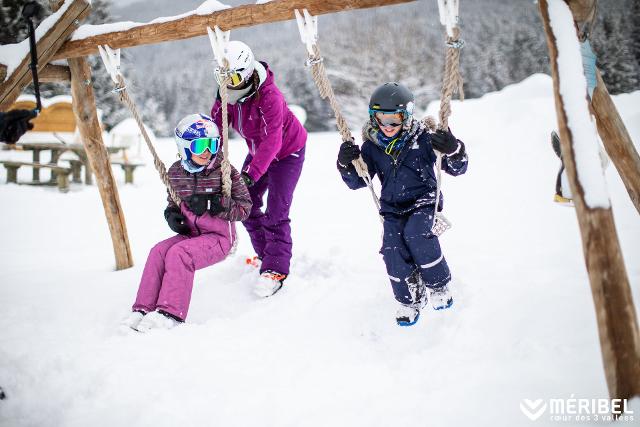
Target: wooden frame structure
[(615, 311), (614, 307)]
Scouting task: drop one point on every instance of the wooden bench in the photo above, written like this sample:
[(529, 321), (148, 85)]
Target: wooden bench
[(62, 173), (128, 168)]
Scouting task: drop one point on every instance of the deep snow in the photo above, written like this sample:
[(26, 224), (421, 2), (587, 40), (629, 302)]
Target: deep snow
[(325, 350)]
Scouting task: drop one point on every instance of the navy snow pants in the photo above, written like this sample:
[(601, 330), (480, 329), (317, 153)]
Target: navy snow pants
[(407, 246)]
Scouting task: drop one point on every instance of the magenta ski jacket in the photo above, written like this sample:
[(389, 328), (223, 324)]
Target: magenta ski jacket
[(264, 120), (209, 181)]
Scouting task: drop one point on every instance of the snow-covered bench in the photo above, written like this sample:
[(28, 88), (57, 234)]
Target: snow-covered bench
[(62, 173)]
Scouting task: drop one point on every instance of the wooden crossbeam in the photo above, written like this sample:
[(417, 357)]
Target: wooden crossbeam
[(196, 25), (47, 46), (55, 73)]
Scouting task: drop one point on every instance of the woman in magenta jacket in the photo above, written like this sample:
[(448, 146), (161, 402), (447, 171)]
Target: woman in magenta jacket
[(258, 111)]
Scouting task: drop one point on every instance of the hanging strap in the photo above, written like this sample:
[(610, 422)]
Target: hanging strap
[(308, 27), (111, 60)]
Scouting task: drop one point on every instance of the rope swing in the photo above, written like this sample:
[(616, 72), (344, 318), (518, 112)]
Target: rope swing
[(111, 60), (452, 82), (308, 27)]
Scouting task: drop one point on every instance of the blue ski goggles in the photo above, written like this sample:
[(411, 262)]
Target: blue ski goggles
[(199, 145)]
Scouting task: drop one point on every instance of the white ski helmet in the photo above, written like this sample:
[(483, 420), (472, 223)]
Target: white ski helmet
[(193, 131), (241, 63)]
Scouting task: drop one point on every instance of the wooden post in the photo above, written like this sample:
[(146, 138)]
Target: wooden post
[(54, 74), (617, 141), (84, 109), (615, 312)]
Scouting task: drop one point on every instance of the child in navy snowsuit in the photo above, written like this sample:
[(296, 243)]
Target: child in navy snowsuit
[(400, 151)]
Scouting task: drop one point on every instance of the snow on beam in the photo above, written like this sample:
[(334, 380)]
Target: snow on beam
[(572, 86), (615, 311), (194, 23), (50, 36)]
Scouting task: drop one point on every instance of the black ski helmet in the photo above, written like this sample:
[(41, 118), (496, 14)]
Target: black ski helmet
[(391, 97)]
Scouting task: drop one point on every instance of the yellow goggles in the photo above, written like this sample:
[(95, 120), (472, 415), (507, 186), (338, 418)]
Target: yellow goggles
[(235, 78)]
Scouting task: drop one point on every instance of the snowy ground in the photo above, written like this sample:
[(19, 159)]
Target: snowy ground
[(326, 350)]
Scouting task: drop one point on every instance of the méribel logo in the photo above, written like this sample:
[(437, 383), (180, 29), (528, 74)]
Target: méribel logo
[(533, 409)]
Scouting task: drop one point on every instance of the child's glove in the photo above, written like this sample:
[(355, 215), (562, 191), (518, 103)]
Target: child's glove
[(177, 222), (348, 153), (197, 203), (201, 203), (444, 142), (215, 204)]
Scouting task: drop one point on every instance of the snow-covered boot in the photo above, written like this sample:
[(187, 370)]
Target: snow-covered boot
[(269, 283), (417, 289), (132, 320), (440, 297), (407, 315), (156, 320), (253, 263)]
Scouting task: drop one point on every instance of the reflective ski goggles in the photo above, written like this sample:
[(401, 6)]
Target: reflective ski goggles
[(198, 145), (386, 119), (236, 78)]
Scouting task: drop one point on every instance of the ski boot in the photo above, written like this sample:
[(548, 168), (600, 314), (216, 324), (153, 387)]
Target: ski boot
[(253, 263), (269, 283), (408, 315), (157, 320), (440, 297)]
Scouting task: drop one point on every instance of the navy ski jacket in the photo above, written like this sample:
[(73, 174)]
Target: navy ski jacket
[(409, 181)]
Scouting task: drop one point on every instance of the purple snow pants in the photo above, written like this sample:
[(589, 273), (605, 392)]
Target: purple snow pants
[(270, 231), (167, 279)]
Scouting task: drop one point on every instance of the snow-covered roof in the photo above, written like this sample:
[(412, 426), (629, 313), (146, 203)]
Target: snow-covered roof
[(46, 102), (129, 127)]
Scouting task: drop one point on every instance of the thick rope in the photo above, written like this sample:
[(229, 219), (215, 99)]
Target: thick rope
[(226, 166), (319, 74), (451, 83), (452, 79), (162, 170)]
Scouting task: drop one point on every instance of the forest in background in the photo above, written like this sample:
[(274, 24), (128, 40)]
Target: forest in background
[(504, 43)]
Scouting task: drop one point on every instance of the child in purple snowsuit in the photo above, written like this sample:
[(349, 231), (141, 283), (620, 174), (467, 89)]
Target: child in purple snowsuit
[(258, 111), (204, 223)]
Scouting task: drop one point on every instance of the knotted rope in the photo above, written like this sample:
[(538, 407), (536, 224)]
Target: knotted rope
[(451, 83), (224, 98), (319, 74), (121, 89), (452, 79)]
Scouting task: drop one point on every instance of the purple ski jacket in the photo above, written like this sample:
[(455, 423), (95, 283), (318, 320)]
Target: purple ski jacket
[(209, 181), (264, 120)]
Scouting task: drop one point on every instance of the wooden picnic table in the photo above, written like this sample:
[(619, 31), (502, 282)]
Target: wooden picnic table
[(57, 148)]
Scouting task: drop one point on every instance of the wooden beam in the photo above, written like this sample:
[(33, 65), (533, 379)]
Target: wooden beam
[(55, 73), (617, 141), (196, 25), (47, 46), (615, 312), (582, 10), (84, 109)]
